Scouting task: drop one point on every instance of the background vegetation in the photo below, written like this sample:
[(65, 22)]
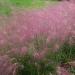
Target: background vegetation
[(6, 6)]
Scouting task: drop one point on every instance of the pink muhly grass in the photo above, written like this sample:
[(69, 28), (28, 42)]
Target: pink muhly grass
[(40, 55), (6, 66), (18, 37), (62, 71)]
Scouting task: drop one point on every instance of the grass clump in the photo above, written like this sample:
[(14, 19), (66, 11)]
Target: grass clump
[(48, 65)]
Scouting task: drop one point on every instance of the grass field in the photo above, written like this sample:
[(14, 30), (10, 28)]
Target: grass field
[(42, 57), (6, 6)]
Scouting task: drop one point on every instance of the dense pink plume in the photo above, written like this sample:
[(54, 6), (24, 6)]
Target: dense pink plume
[(56, 23), (7, 67), (62, 71), (72, 1)]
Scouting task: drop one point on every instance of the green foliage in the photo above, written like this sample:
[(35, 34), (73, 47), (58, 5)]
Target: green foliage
[(72, 70), (21, 2), (48, 65), (7, 5), (65, 53), (31, 67), (28, 3), (5, 10)]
